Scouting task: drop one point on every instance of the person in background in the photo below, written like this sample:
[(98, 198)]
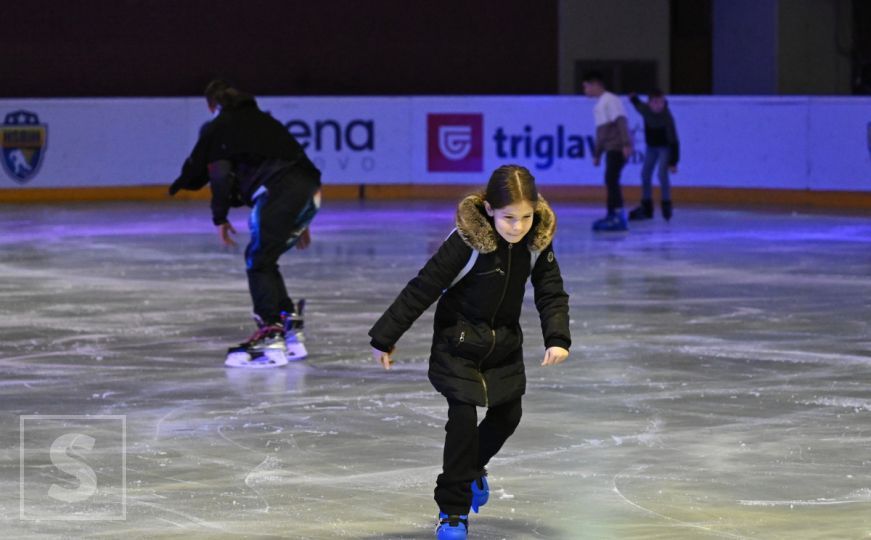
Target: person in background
[(614, 141), (663, 153), (249, 158)]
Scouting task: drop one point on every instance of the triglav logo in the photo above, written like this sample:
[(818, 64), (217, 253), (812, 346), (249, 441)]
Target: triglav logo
[(455, 142), (23, 140)]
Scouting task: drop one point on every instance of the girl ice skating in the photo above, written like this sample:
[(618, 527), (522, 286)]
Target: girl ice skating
[(503, 237)]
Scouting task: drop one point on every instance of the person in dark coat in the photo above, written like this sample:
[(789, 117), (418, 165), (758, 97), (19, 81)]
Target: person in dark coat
[(249, 158), (479, 274), (663, 152)]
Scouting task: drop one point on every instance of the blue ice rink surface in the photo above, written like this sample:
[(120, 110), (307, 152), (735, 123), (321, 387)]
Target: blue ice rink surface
[(719, 385)]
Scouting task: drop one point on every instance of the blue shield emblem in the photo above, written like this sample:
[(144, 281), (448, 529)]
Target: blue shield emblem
[(22, 139)]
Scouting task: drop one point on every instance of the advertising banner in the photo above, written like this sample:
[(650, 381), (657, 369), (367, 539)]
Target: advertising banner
[(797, 143)]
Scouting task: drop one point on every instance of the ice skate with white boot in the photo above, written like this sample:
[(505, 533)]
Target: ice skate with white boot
[(264, 349), (294, 338)]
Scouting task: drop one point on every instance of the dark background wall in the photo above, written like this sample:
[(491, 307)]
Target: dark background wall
[(372, 47), (416, 47)]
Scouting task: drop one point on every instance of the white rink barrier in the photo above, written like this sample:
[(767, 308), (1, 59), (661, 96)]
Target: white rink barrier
[(799, 143)]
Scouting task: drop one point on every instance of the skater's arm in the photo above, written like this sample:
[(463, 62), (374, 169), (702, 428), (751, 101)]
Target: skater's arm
[(221, 179), (642, 108), (673, 142), (554, 356), (551, 301), (420, 292), (625, 139), (194, 174), (383, 358), (225, 230)]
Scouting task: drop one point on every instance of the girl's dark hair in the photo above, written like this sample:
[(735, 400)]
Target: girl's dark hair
[(221, 93), (510, 184)]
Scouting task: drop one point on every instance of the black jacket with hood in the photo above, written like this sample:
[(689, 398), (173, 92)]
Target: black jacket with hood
[(476, 354), (239, 151)]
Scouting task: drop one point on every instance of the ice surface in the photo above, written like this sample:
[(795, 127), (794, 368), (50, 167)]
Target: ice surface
[(719, 385)]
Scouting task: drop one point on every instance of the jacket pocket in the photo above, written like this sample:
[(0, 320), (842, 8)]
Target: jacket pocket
[(493, 272), (473, 341)]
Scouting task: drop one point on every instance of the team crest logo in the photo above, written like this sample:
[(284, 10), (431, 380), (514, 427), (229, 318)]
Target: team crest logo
[(455, 142), (23, 140)]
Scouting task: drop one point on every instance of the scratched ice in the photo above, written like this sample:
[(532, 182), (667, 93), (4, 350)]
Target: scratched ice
[(719, 386)]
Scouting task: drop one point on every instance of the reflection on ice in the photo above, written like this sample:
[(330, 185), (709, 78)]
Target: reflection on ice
[(719, 386)]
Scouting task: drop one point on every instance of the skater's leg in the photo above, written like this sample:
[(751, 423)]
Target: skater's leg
[(662, 174), (650, 156), (499, 424), (261, 261), (453, 492), (614, 162), (277, 220), (616, 218)]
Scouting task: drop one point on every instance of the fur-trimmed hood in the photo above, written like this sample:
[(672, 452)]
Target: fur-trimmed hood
[(476, 228)]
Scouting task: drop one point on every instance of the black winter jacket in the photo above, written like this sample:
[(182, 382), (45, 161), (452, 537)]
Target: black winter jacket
[(659, 129), (237, 152), (476, 354)]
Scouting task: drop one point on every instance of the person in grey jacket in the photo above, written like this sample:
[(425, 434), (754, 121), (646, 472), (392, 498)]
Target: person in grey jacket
[(663, 152)]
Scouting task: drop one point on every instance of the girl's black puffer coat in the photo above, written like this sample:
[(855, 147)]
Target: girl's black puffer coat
[(476, 350)]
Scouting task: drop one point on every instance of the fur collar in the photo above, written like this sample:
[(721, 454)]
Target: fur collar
[(476, 229)]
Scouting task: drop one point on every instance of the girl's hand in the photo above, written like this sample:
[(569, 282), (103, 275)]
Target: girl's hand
[(382, 357), (554, 356)]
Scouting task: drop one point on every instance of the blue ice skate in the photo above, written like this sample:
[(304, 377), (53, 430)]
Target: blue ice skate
[(615, 221), (480, 492), (452, 527)]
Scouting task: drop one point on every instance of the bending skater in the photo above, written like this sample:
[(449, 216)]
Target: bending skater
[(249, 158), (478, 276)]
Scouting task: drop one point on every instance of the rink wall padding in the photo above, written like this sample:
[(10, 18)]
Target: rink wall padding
[(721, 197), (778, 150)]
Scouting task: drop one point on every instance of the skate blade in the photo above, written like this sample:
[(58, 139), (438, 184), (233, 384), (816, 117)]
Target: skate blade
[(296, 351), (260, 360)]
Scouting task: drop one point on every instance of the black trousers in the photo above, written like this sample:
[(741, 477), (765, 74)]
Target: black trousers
[(469, 447), (277, 220), (614, 162)]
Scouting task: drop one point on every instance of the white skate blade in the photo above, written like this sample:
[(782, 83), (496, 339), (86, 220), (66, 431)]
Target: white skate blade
[(296, 351), (268, 359)]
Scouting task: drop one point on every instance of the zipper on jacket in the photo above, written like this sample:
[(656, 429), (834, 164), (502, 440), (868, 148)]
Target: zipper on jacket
[(484, 384), (493, 329), (504, 288), (492, 345), (494, 271)]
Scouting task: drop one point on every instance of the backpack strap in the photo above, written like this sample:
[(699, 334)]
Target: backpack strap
[(466, 269), (534, 257), (474, 257)]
